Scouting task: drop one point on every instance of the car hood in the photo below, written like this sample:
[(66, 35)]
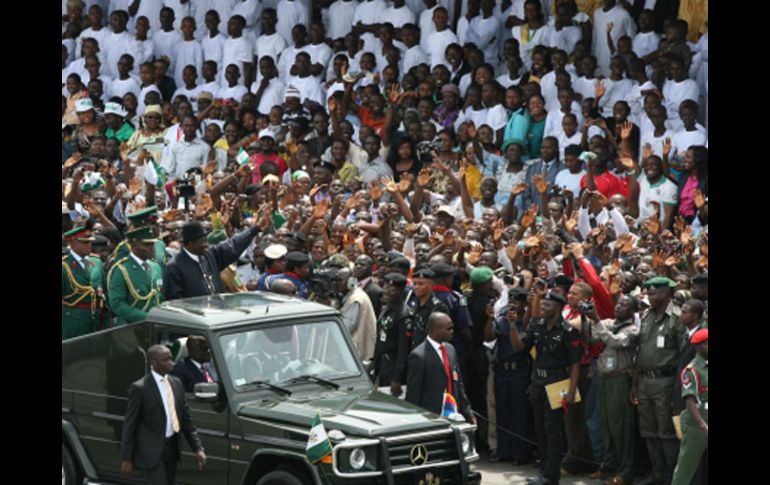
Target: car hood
[(363, 413)]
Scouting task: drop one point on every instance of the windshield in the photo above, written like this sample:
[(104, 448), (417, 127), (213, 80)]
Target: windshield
[(277, 354)]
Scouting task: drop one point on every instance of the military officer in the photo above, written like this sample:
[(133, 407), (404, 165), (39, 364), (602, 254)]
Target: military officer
[(136, 281), (425, 303), (557, 359), (660, 333), (82, 276), (695, 419), (143, 218), (394, 335)]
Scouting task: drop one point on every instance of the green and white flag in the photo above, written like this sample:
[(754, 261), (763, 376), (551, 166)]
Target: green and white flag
[(318, 444), (242, 157), (154, 174), (92, 182)]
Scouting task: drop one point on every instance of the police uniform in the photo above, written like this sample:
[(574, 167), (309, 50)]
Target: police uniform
[(512, 380), (558, 349), (656, 370), (695, 383), (298, 259), (420, 313), (82, 296), (394, 335), (135, 288), (457, 305), (143, 218), (272, 252)]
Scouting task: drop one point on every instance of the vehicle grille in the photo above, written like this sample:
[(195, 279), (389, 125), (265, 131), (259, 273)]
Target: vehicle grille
[(440, 449)]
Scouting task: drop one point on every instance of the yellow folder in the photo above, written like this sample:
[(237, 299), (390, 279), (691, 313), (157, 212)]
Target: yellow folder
[(558, 391)]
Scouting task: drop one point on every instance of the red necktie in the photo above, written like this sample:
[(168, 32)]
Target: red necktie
[(445, 358), (206, 374)]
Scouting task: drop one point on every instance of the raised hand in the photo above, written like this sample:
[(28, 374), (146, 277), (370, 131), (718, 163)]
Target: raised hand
[(394, 93), (628, 164), (73, 160), (600, 89), (320, 209), (517, 189), (475, 253), (625, 130), (658, 257), (672, 260), (352, 202), (316, 188), (625, 243), (375, 191), (463, 168), (666, 146), (576, 249), (124, 151), (570, 223), (135, 186), (244, 170), (390, 185), (646, 151), (423, 178), (497, 234), (449, 240), (404, 184), (699, 199), (653, 225), (610, 25), (529, 216), (540, 184)]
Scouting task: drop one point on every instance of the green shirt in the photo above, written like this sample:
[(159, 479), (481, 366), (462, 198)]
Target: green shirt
[(123, 134), (659, 340), (695, 381)]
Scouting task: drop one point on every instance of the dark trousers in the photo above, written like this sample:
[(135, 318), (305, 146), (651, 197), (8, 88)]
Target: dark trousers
[(513, 414), (617, 425), (476, 388), (165, 472), (579, 455), (549, 428)]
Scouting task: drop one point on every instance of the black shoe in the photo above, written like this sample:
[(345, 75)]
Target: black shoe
[(493, 457), (522, 462)]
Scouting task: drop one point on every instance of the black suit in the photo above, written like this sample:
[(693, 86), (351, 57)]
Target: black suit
[(189, 373), (185, 278), (144, 430), (374, 292), (426, 379)]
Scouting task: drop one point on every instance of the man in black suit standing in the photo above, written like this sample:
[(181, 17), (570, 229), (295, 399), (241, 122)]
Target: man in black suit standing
[(157, 411), (194, 271), (433, 367), (362, 270), (196, 367)]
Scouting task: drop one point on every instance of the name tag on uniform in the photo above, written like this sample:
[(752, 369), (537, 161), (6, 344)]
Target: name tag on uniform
[(661, 341), (383, 336)]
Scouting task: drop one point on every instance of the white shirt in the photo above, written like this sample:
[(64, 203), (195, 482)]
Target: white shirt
[(78, 259), (584, 226), (565, 141), (290, 13), (142, 51), (181, 10), (615, 91), (656, 142), (166, 44), (319, 54), (462, 29), (251, 11), (192, 256), (115, 45), (536, 37), (564, 39), (237, 51), (635, 99), (271, 96), (138, 260), (683, 140), (185, 155), (623, 24), (142, 93), (427, 26), (585, 87), (287, 60), (160, 381), (673, 95), (399, 16), (485, 33), (414, 56), (151, 10), (497, 117), (187, 53), (309, 88), (665, 192), (567, 180), (506, 81), (645, 43), (437, 347), (270, 45), (341, 15), (554, 118), (470, 114), (99, 35), (368, 13), (191, 94), (213, 49), (437, 44), (236, 92)]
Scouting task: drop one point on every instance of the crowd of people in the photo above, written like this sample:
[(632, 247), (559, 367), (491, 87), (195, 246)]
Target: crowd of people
[(537, 172)]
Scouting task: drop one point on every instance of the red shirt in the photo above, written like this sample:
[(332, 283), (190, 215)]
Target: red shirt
[(606, 183), (257, 160), (377, 124)]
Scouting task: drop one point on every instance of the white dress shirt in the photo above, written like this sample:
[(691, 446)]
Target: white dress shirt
[(161, 383)]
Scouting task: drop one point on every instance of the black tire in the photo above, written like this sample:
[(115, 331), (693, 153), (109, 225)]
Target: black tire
[(280, 477), (69, 470)]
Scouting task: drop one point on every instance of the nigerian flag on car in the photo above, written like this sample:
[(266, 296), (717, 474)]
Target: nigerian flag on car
[(318, 444), (242, 157)]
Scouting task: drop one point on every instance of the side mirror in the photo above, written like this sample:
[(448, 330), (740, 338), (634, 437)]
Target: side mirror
[(206, 391)]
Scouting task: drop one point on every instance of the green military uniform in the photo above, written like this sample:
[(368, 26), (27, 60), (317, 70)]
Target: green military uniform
[(656, 369), (695, 383), (82, 295), (143, 218), (134, 289)]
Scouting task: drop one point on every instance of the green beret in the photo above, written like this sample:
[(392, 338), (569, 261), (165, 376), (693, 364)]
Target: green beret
[(659, 282), (144, 234), (481, 275), (217, 236)]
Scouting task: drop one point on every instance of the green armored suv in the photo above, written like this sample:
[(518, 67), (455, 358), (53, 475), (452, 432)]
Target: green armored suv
[(278, 362)]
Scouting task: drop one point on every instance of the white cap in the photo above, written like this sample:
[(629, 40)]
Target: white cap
[(83, 105), (267, 133), (446, 209), (114, 108), (276, 251)]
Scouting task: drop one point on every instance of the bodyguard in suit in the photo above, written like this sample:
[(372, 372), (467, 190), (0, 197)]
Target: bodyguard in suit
[(196, 367), (195, 270), (362, 270), (433, 367), (547, 165), (156, 413), (135, 282)]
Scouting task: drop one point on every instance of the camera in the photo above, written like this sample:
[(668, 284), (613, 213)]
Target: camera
[(323, 282), (585, 307), (186, 187)]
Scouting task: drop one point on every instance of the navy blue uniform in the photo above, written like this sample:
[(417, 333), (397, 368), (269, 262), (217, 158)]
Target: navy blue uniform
[(458, 312), (512, 379), (394, 336)]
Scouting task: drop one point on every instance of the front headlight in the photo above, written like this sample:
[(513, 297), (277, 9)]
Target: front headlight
[(357, 459), (465, 441)]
